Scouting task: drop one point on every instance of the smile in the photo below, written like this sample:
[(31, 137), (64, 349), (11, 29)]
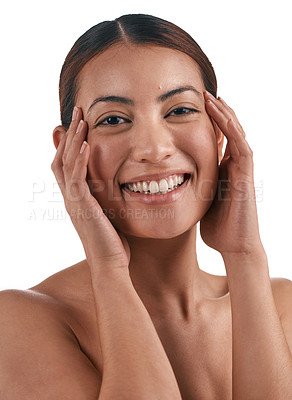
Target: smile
[(162, 186)]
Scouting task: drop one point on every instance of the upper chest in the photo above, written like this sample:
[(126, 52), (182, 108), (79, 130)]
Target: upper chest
[(200, 352)]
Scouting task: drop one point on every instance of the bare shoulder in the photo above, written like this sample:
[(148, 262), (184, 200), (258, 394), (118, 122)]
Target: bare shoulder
[(282, 291), (41, 356)]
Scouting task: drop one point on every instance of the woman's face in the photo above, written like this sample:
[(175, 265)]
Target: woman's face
[(148, 130)]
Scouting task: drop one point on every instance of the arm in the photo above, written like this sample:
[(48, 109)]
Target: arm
[(262, 362), (135, 363)]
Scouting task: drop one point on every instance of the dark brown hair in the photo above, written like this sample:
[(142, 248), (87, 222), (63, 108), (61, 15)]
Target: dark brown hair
[(132, 28)]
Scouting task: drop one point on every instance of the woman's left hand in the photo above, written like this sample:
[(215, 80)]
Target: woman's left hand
[(231, 223)]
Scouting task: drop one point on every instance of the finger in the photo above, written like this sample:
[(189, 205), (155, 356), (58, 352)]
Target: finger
[(221, 104), (230, 128), (81, 162), (225, 109), (232, 114), (229, 110), (76, 118), (75, 147), (233, 150), (77, 186), (241, 143)]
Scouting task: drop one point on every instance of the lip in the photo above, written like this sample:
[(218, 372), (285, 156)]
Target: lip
[(156, 198), (154, 177)]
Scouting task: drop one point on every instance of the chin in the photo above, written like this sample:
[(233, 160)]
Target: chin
[(158, 223)]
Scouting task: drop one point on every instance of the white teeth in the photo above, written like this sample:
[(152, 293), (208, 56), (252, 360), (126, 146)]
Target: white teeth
[(153, 187), (163, 186), (139, 187), (170, 183)]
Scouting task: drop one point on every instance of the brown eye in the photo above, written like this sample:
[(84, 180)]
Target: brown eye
[(111, 121), (182, 111)]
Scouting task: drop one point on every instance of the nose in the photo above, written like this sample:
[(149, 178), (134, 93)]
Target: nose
[(152, 142)]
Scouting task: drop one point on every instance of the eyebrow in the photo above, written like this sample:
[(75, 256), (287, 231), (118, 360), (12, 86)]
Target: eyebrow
[(127, 101), (173, 92)]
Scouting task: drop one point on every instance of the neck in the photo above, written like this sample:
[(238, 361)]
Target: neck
[(166, 274)]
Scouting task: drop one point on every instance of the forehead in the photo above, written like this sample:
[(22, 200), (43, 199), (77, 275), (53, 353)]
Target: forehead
[(136, 70)]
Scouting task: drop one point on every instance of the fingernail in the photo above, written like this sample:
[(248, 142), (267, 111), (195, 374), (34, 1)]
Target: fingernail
[(210, 95), (220, 98), (211, 102), (83, 147), (80, 126), (74, 115)]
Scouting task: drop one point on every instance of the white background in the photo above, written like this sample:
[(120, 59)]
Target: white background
[(249, 44)]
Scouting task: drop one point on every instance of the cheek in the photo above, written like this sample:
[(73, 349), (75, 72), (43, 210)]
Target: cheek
[(106, 157), (199, 141)]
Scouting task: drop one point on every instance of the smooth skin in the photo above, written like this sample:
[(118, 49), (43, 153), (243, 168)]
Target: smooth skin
[(138, 318)]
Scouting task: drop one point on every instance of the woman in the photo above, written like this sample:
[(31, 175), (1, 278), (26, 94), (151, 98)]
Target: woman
[(140, 162)]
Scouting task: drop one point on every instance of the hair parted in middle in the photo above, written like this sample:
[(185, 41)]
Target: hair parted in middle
[(132, 28)]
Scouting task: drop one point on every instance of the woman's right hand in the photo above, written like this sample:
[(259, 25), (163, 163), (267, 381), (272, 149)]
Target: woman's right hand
[(103, 246)]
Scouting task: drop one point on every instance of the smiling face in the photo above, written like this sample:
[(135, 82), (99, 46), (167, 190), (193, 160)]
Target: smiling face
[(148, 131)]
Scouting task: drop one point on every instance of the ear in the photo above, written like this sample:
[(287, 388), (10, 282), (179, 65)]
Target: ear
[(220, 142), (58, 133)]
